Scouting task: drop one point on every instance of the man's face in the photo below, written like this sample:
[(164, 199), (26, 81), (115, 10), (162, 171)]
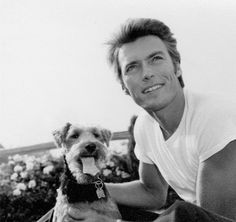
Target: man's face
[(148, 72)]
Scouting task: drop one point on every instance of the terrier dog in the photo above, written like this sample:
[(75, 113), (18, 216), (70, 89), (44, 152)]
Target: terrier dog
[(81, 188)]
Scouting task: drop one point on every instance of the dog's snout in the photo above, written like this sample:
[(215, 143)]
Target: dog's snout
[(90, 147)]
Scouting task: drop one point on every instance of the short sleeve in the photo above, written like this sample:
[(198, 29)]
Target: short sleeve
[(141, 139), (218, 131)]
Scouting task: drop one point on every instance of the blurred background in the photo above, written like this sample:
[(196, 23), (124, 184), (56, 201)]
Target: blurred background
[(53, 66)]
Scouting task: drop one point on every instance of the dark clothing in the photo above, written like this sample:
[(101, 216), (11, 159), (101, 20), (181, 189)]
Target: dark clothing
[(180, 211)]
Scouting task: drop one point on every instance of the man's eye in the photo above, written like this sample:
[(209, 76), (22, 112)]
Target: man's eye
[(131, 68), (156, 58), (74, 136)]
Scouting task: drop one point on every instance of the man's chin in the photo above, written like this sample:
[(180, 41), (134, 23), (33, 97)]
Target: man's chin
[(153, 107), (148, 104)]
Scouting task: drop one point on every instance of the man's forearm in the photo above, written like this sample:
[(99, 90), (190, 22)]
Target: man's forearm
[(134, 194)]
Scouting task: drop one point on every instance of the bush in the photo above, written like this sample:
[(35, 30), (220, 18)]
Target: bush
[(28, 187)]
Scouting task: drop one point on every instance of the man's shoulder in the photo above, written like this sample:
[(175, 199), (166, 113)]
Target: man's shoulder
[(145, 124), (210, 103), (210, 111), (212, 119)]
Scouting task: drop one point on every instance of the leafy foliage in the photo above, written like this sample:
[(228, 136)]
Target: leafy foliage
[(28, 187)]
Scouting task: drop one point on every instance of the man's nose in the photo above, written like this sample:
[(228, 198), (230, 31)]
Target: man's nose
[(147, 72)]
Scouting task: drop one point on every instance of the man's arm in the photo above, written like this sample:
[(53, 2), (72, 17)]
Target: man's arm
[(216, 185), (149, 192)]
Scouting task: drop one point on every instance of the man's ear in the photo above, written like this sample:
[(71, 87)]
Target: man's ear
[(124, 88), (178, 70), (60, 135), (106, 135)]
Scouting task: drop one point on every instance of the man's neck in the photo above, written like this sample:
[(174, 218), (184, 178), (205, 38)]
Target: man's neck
[(170, 117)]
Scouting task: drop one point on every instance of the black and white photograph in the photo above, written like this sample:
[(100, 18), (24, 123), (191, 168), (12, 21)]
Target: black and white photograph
[(117, 111)]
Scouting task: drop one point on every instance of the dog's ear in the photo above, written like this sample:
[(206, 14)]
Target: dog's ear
[(60, 135), (106, 135)]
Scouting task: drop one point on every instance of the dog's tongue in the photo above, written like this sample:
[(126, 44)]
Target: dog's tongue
[(89, 166)]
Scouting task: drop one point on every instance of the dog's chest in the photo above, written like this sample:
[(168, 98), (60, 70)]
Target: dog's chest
[(83, 192), (102, 206)]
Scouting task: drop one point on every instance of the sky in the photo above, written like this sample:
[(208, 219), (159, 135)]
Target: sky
[(53, 66)]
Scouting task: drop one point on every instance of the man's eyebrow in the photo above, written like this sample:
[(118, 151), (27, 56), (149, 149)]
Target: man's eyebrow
[(155, 53), (131, 63)]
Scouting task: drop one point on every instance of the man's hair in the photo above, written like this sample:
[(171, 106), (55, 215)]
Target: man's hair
[(136, 28)]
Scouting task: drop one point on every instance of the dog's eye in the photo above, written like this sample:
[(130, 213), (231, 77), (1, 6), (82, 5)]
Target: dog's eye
[(74, 136), (96, 135)]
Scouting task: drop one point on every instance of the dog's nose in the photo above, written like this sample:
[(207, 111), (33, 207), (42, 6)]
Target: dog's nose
[(90, 147)]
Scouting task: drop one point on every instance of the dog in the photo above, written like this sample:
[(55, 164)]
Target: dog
[(81, 188)]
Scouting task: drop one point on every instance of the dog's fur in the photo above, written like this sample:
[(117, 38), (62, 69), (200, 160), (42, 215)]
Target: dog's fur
[(77, 192)]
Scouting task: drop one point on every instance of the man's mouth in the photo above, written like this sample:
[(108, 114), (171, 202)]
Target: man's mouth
[(152, 88)]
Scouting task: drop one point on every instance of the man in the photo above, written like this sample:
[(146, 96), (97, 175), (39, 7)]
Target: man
[(183, 139)]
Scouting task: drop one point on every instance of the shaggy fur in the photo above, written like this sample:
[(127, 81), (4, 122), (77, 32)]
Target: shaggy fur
[(78, 191)]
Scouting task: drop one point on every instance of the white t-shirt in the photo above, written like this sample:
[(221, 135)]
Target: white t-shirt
[(208, 124)]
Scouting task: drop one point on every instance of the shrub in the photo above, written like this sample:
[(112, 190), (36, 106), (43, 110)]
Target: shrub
[(28, 187)]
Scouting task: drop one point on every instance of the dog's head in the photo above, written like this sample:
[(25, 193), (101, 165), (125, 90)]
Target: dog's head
[(82, 142)]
